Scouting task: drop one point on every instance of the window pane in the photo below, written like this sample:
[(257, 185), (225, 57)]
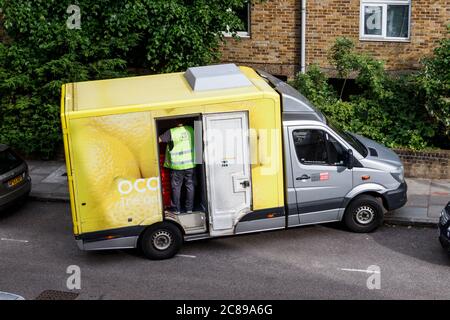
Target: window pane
[(337, 153), (310, 146), (373, 20), (397, 21), (8, 161), (243, 14)]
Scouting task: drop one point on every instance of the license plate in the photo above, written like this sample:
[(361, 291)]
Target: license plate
[(15, 181)]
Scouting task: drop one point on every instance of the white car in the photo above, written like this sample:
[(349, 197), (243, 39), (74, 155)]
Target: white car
[(10, 296)]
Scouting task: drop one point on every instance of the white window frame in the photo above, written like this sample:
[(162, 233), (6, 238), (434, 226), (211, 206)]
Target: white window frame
[(242, 34), (383, 4)]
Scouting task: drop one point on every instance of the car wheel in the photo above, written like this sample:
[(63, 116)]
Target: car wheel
[(364, 214), (161, 241)]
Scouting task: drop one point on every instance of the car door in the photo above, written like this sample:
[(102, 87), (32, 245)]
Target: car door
[(320, 174)]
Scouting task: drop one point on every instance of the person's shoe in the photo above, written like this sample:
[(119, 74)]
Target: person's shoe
[(189, 211)]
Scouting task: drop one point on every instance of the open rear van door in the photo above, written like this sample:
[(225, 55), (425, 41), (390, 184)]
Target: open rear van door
[(227, 159)]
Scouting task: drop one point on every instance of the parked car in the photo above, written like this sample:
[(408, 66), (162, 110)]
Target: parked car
[(10, 296), (444, 227), (15, 182)]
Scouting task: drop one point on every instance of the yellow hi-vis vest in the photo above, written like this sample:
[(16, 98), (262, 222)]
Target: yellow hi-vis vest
[(182, 156)]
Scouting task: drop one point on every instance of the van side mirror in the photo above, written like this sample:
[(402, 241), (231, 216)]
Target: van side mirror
[(350, 159)]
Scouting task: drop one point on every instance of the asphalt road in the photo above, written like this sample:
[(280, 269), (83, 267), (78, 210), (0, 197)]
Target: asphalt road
[(317, 262)]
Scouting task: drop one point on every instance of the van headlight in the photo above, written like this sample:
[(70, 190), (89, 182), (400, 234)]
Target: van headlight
[(399, 174)]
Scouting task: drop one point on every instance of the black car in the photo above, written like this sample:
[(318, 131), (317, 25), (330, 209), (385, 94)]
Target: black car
[(444, 227), (15, 182)]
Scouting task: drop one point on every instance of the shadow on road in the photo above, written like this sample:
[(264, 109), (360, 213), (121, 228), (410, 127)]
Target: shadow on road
[(424, 246), (12, 210), (402, 239)]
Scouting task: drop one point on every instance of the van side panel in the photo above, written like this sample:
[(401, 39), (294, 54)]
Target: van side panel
[(115, 172), (111, 145), (66, 106)]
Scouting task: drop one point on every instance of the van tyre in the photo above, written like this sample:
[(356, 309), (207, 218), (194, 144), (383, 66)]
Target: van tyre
[(364, 214), (161, 241)]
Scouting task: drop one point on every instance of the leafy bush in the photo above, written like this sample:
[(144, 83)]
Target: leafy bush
[(434, 84), (389, 109), (41, 53)]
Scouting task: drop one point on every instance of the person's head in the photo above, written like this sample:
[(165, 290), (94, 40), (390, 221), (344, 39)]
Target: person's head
[(180, 123)]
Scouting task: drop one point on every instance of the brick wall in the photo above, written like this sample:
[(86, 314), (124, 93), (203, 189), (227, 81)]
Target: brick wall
[(431, 165), (274, 43), (328, 19)]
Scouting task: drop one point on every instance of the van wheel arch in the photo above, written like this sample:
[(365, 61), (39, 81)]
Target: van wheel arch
[(374, 194)]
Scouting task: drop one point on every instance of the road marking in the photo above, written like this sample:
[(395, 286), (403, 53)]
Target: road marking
[(360, 270), (186, 256), (14, 240)]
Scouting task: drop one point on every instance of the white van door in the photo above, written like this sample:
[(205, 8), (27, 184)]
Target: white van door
[(227, 162)]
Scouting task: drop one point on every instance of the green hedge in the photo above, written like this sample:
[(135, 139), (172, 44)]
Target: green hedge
[(41, 53), (399, 111)]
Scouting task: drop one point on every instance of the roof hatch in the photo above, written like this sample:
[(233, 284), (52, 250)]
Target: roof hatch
[(216, 77)]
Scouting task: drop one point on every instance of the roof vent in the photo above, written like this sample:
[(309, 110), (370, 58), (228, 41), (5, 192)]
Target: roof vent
[(216, 77)]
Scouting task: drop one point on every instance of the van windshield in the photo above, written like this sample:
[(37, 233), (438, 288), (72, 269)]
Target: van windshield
[(8, 161), (355, 143)]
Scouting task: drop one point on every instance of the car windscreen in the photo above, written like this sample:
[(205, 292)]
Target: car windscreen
[(8, 161), (355, 143)]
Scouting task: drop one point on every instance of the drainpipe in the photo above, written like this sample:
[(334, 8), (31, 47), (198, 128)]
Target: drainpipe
[(303, 40)]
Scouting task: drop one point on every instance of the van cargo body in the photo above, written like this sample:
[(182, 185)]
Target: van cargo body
[(266, 159)]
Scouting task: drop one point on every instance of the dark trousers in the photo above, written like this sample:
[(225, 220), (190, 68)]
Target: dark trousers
[(177, 177)]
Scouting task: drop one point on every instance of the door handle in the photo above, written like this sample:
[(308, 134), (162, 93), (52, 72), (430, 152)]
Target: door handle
[(245, 184), (304, 177)]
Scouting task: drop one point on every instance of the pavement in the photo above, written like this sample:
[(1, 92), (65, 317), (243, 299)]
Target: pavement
[(39, 257), (49, 180), (426, 197)]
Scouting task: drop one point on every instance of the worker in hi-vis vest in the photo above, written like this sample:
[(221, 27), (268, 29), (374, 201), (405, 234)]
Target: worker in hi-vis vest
[(180, 159)]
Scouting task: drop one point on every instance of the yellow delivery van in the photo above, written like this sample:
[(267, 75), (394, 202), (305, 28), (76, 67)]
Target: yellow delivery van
[(249, 128)]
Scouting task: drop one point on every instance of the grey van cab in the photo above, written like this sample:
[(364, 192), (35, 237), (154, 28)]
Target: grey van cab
[(333, 175), (15, 182)]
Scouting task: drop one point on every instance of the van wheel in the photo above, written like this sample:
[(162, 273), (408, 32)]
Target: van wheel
[(364, 214), (161, 241)]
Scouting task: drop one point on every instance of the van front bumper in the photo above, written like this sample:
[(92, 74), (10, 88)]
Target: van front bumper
[(396, 198)]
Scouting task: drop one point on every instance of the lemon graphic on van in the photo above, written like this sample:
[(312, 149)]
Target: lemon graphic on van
[(110, 160)]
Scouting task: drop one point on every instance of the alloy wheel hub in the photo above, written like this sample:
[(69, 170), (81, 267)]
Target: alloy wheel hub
[(162, 240), (364, 215)]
